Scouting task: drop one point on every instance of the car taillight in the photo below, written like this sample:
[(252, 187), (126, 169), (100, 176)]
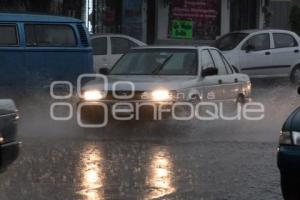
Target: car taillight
[(1, 139), (285, 138), (296, 138)]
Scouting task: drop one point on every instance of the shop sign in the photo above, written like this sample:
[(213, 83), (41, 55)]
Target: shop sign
[(182, 29)]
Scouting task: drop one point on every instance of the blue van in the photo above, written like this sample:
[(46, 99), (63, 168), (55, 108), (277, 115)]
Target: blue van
[(38, 49)]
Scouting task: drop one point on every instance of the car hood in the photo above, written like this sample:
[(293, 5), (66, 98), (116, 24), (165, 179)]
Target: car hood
[(7, 106), (293, 122), (144, 83)]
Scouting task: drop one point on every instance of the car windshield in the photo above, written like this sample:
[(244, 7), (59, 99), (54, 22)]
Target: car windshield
[(157, 62), (230, 41)]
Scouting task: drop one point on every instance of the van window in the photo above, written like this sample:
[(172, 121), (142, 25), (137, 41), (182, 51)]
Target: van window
[(8, 35), (44, 35)]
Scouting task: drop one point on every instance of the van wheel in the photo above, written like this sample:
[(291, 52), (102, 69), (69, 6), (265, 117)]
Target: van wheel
[(295, 77), (289, 187)]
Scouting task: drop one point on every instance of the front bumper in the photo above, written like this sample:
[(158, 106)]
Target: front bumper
[(9, 153), (132, 108), (135, 103), (288, 159)]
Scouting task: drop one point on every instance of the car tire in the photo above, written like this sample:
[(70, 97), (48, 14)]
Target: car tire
[(295, 76), (290, 187)]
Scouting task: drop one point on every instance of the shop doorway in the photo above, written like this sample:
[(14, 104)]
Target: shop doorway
[(243, 14), (107, 16), (151, 21)]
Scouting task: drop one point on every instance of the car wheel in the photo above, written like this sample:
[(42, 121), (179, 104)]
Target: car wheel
[(289, 187), (295, 77)]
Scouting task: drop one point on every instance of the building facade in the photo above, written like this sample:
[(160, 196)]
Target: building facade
[(280, 13), (72, 8), (176, 21), (165, 21)]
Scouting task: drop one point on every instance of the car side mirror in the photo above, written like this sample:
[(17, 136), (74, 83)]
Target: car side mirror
[(104, 71), (249, 48), (299, 90), (211, 71)]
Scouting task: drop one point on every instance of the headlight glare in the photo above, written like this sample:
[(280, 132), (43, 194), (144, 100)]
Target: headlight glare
[(93, 95), (161, 95)]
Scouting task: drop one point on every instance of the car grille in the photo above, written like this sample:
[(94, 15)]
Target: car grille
[(137, 95)]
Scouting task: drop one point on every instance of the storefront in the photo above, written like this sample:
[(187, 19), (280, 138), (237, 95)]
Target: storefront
[(155, 21), (123, 16), (187, 21), (72, 8)]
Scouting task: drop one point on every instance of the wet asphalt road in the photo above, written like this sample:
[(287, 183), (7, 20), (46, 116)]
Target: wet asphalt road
[(216, 160)]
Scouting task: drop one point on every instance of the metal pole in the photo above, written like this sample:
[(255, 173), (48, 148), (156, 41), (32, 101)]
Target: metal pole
[(94, 16)]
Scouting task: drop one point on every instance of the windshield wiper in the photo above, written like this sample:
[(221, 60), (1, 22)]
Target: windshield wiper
[(161, 66)]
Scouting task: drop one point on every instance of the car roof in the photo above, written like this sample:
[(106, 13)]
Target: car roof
[(24, 17), (116, 35), (174, 47), (250, 31), (109, 34)]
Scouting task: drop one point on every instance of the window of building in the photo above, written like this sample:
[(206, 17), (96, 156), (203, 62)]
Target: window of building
[(243, 14), (48, 35), (283, 40), (258, 42), (8, 35), (121, 45), (194, 19), (99, 46), (218, 62)]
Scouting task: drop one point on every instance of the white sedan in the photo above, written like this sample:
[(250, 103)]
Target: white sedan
[(168, 74), (108, 48), (263, 53)]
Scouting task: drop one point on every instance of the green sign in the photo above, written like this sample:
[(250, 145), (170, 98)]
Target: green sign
[(182, 29)]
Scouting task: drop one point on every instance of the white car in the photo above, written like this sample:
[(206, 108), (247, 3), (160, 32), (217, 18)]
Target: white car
[(263, 53), (169, 74), (108, 48)]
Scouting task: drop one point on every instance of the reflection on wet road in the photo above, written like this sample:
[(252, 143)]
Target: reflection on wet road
[(161, 176), (91, 162), (158, 180), (151, 160)]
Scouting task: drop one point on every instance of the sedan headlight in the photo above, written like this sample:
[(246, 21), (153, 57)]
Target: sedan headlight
[(93, 95), (161, 95), (249, 86)]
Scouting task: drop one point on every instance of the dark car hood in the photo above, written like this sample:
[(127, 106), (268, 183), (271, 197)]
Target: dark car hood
[(293, 121), (4, 112)]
